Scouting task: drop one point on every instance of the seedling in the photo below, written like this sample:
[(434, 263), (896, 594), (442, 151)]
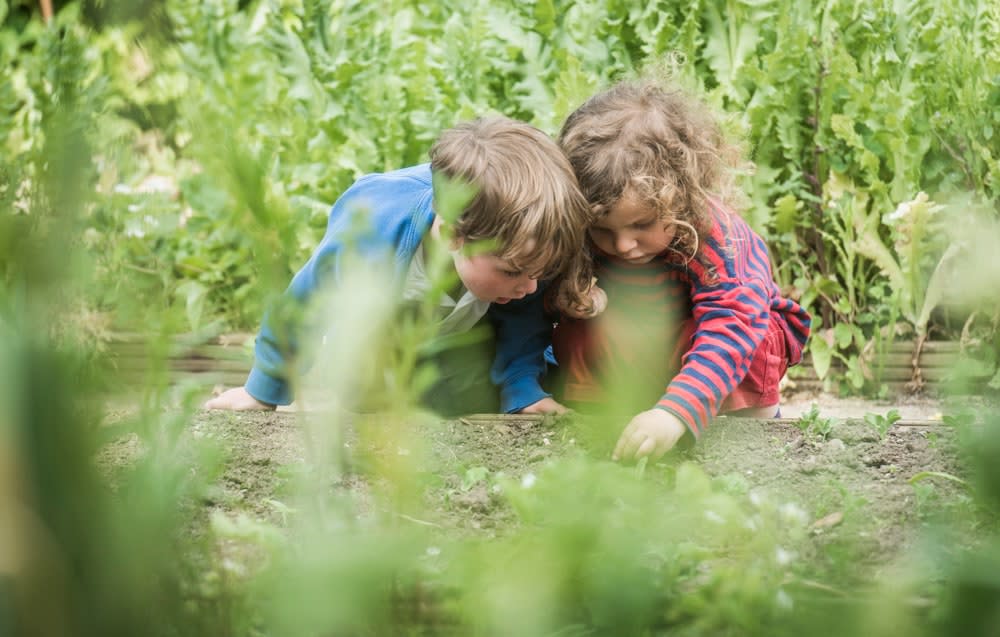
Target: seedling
[(882, 423), (474, 476), (923, 475), (811, 422), (933, 440), (959, 420)]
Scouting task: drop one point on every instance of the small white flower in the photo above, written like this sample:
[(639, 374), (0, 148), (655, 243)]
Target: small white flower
[(528, 481), (433, 551)]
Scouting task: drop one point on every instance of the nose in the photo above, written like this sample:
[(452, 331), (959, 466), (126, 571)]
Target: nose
[(624, 243)]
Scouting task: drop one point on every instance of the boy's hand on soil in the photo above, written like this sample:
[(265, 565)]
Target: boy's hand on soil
[(651, 433), (547, 405), (237, 399)]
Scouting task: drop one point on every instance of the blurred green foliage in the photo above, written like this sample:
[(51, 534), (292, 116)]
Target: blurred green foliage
[(223, 130), (172, 172)]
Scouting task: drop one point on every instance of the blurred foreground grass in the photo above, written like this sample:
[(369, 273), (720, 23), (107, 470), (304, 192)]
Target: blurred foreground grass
[(159, 547)]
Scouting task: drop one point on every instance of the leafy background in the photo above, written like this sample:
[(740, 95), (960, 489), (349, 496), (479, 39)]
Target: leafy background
[(167, 165), (219, 132)]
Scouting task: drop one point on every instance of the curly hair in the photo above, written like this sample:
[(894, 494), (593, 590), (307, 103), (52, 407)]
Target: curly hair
[(664, 145)]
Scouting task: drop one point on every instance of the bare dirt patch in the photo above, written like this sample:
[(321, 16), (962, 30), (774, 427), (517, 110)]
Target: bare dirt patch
[(851, 483)]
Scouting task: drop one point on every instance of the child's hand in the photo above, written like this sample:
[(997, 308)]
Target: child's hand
[(237, 399), (651, 433), (547, 405)]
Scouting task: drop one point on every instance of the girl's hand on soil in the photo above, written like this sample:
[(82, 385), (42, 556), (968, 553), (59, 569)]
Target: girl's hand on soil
[(238, 399), (547, 405), (651, 433)]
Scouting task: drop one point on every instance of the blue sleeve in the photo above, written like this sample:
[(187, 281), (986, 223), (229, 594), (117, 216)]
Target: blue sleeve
[(374, 218), (523, 332)]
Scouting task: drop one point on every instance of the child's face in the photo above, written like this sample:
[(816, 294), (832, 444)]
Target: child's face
[(491, 278), (632, 231)]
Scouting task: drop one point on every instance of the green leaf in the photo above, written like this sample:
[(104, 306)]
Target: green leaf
[(923, 475), (936, 287), (786, 213), (194, 294), (692, 481), (843, 335), (451, 196), (822, 356), (474, 476)]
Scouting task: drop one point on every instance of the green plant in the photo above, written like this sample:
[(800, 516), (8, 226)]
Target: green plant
[(812, 423), (923, 475), (473, 476), (881, 423), (917, 266)]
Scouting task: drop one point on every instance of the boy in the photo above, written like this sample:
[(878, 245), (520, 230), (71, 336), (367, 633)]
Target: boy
[(527, 210)]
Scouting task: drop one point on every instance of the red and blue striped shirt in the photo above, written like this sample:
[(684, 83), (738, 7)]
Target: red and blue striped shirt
[(729, 292)]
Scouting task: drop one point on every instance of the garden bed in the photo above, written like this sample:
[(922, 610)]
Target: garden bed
[(443, 525), (852, 484)]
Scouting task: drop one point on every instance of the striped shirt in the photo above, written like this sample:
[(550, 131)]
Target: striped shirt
[(730, 294)]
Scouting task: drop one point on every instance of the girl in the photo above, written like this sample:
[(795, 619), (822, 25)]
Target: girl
[(691, 302)]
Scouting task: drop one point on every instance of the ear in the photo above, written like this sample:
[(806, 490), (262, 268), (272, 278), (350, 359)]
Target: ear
[(441, 229)]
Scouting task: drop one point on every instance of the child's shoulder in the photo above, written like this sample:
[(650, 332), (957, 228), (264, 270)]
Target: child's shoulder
[(418, 176), (725, 222), (407, 189), (388, 199)]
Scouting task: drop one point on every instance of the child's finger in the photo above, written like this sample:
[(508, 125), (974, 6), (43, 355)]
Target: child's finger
[(630, 442), (622, 442), (647, 447), (662, 447)]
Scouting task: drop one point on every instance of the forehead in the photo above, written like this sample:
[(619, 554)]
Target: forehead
[(626, 211)]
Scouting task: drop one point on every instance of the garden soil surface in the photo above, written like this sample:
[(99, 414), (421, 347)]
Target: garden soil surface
[(853, 484)]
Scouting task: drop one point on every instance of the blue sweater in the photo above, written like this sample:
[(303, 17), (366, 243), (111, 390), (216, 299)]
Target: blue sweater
[(399, 206)]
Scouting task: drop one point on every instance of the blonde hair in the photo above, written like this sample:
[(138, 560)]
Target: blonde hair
[(663, 145), (527, 199)]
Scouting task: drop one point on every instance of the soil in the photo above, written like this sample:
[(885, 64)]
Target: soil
[(852, 483)]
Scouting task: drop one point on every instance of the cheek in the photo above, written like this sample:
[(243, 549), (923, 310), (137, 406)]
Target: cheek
[(479, 276), (659, 239)]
